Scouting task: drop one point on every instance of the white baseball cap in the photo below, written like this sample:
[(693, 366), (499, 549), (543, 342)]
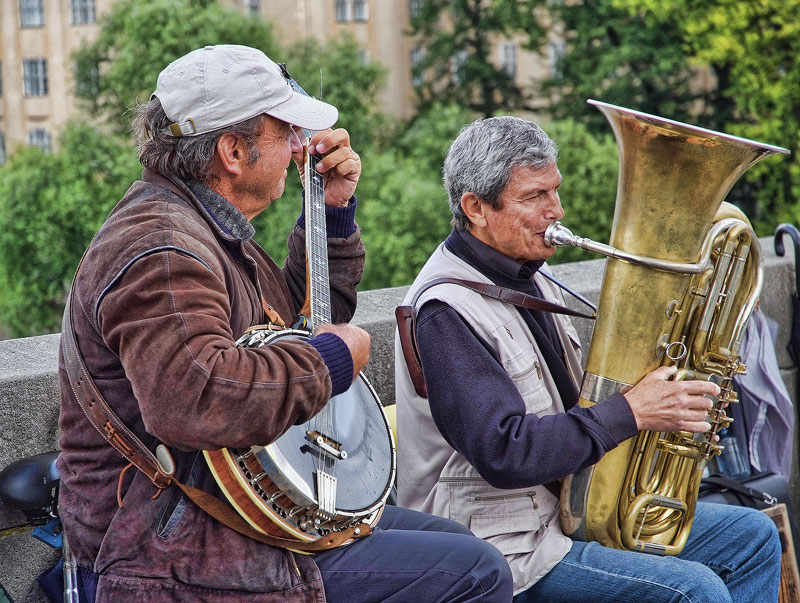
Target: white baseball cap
[(218, 86)]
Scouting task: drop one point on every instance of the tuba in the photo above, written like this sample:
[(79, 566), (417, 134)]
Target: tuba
[(682, 276)]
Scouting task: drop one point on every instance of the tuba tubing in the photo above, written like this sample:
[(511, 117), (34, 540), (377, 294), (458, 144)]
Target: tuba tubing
[(682, 276)]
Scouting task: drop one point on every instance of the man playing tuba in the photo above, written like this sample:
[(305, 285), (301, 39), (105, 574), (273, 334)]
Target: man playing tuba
[(500, 421)]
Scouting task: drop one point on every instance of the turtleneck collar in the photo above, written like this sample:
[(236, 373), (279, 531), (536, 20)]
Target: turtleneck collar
[(225, 214), (498, 267)]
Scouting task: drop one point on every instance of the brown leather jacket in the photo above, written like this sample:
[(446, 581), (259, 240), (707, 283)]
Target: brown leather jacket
[(163, 292)]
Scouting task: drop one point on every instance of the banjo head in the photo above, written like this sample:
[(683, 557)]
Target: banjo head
[(357, 423), (356, 450)]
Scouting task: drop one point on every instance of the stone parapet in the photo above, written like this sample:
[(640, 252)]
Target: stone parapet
[(29, 393)]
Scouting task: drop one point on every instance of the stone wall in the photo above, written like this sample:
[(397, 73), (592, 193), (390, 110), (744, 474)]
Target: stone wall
[(29, 396)]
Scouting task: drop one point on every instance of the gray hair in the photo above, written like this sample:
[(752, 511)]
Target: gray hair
[(483, 156), (190, 157)]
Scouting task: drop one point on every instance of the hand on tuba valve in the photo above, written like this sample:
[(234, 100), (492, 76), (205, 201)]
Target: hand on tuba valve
[(659, 404)]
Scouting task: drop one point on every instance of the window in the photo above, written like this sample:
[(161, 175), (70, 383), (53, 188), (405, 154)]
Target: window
[(417, 58), (363, 56), (31, 13), (1, 78), (341, 10), (34, 75), (2, 149), (414, 8), (255, 7), (508, 59), (555, 54), (39, 137), (359, 10), (83, 12), (457, 65)]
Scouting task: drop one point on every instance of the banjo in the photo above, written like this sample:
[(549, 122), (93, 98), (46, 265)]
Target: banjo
[(334, 472)]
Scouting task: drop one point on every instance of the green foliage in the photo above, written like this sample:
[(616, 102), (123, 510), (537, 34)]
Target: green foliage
[(633, 59), (50, 207), (589, 168), (447, 28), (346, 83), (404, 213), (139, 38), (757, 44), (646, 54), (429, 135), (403, 207)]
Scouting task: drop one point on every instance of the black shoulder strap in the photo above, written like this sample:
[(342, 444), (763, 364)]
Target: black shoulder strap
[(406, 317), (721, 482)]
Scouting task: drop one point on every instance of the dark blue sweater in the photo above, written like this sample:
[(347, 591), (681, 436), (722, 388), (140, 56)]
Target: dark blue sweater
[(478, 409)]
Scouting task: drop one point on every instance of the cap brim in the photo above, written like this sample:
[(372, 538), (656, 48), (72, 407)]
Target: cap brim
[(305, 112)]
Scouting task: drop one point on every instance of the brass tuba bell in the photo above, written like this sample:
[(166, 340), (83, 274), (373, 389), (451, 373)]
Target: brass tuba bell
[(682, 277)]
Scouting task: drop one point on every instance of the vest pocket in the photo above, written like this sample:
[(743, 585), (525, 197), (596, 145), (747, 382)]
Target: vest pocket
[(510, 533), (531, 387), (525, 369), (508, 520)]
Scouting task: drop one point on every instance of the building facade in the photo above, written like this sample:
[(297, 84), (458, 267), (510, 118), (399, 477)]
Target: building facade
[(37, 38), (36, 82)]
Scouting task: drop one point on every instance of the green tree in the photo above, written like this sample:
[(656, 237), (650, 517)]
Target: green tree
[(589, 166), (50, 207), (336, 71), (404, 219), (458, 38), (138, 38), (757, 45), (403, 206), (429, 134), (647, 55), (635, 59)]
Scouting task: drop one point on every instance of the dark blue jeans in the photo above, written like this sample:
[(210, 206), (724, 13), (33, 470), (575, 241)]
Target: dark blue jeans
[(417, 558), (733, 554)]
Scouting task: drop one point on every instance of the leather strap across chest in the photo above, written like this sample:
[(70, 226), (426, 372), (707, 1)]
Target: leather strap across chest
[(406, 317)]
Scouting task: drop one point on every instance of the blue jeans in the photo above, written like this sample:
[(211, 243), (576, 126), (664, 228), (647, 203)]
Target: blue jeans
[(733, 554), (418, 558)]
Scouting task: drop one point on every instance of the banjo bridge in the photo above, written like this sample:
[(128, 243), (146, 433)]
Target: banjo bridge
[(326, 444)]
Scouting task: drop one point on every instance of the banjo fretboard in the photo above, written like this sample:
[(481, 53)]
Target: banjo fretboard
[(316, 245)]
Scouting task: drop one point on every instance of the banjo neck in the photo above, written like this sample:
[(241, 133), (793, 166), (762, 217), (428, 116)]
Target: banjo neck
[(317, 308), (318, 295)]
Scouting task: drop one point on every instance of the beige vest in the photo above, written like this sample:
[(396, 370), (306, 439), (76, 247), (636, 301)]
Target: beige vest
[(432, 477)]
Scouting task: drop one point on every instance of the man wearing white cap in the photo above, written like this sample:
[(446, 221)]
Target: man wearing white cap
[(168, 284)]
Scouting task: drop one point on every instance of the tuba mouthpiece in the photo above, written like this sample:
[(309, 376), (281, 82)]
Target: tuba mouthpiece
[(558, 235)]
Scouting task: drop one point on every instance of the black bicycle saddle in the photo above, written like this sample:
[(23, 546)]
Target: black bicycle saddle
[(30, 485)]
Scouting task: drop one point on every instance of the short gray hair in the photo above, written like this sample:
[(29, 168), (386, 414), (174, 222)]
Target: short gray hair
[(483, 156), (190, 157)]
